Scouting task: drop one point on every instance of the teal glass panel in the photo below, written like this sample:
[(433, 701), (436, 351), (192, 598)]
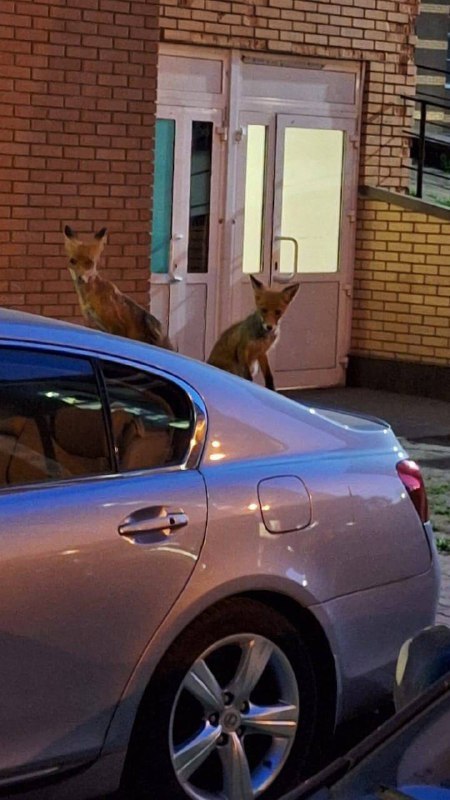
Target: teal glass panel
[(162, 195)]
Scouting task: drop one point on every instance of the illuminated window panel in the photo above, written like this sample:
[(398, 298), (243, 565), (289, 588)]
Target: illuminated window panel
[(311, 199), (254, 198)]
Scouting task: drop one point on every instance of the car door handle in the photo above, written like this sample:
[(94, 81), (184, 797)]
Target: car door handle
[(154, 523)]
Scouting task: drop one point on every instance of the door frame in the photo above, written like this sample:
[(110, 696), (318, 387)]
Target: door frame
[(186, 107), (258, 109), (342, 277), (233, 105)]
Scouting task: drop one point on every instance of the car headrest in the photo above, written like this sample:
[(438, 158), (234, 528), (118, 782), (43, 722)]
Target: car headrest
[(12, 426), (81, 432)]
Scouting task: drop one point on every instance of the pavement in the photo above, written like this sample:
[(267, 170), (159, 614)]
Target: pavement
[(423, 426)]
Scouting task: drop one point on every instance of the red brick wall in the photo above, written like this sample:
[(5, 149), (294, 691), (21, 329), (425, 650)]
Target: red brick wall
[(77, 107), (378, 32)]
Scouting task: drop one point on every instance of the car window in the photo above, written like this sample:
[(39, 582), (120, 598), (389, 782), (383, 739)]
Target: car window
[(152, 418), (52, 424)]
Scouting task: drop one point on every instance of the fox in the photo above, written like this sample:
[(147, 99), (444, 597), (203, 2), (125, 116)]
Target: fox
[(244, 346), (102, 304)]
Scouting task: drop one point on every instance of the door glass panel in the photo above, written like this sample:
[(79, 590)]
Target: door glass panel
[(52, 425), (162, 194), (254, 198), (152, 418), (311, 199), (200, 194)]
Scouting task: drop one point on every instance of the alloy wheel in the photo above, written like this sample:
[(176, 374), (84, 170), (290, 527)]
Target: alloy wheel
[(234, 719)]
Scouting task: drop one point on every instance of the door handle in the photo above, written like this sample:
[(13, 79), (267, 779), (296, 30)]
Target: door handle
[(173, 278), (286, 277), (152, 524)]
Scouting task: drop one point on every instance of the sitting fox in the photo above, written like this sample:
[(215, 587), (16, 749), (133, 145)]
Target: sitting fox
[(245, 344), (103, 305)]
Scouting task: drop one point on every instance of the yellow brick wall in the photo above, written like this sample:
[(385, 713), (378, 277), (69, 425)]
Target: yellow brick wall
[(402, 280), (378, 32)]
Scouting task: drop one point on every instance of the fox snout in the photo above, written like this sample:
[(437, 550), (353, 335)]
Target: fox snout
[(80, 266), (272, 303), (83, 256), (269, 326)]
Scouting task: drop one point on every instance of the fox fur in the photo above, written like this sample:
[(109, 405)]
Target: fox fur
[(244, 346), (103, 305)]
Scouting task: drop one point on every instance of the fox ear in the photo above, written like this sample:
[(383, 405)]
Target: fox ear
[(69, 233), (257, 285), (101, 233), (290, 291)]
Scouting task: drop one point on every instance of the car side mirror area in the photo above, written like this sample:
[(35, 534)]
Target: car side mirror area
[(422, 660)]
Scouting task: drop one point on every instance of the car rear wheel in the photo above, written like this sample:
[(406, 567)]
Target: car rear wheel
[(232, 711)]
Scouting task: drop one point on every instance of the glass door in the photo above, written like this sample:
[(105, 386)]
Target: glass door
[(314, 196), (186, 228), (296, 192)]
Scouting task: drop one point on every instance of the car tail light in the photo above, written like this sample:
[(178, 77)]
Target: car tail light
[(411, 477)]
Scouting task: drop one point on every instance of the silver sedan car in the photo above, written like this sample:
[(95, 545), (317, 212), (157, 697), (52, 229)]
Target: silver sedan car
[(199, 578)]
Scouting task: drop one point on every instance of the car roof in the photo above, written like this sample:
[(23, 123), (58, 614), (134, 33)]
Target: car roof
[(33, 328), (265, 421)]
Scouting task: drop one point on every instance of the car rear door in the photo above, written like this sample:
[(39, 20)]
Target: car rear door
[(98, 533)]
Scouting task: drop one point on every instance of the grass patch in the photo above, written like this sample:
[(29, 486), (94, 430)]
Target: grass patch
[(439, 498), (443, 544), (439, 505), (439, 201)]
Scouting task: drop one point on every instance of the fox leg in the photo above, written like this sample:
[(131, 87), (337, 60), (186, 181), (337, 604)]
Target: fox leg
[(243, 369), (244, 372), (266, 371)]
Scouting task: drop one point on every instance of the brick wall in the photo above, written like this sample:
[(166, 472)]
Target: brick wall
[(77, 104), (379, 32), (77, 108), (402, 280)]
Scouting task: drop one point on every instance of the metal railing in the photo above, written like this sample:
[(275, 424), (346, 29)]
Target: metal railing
[(430, 144)]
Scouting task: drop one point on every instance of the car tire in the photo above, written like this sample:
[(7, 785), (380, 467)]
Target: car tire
[(232, 711)]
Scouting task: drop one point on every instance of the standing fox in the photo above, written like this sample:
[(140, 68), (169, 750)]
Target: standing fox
[(103, 305), (245, 344)]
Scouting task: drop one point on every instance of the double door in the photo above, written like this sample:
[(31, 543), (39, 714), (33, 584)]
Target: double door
[(256, 173)]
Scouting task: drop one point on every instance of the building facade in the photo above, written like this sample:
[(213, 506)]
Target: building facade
[(232, 135), (305, 101)]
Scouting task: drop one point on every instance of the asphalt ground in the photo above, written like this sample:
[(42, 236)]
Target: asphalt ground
[(423, 426)]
